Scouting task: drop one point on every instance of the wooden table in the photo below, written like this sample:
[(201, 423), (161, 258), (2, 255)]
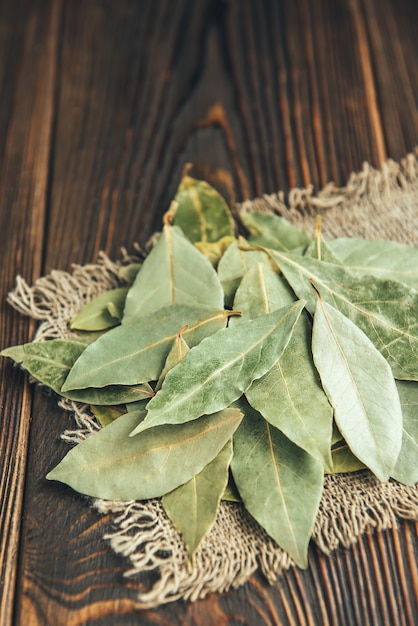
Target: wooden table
[(101, 105)]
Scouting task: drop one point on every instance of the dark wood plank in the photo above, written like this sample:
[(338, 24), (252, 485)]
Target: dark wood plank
[(258, 96), (27, 75)]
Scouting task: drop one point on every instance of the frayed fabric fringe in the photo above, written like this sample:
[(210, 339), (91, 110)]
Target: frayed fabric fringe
[(374, 204)]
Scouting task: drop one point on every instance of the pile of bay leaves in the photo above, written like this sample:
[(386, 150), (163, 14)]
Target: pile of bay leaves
[(242, 369)]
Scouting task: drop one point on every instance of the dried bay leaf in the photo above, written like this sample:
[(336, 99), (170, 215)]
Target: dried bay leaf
[(234, 264), (343, 460), (386, 259), (360, 386), (47, 361), (271, 231), (128, 272), (193, 506), (289, 395), (107, 414), (202, 213), (134, 353), (111, 465), (231, 492), (50, 363), (321, 250), (213, 251), (104, 311), (221, 367), (86, 336), (261, 291), (174, 272), (406, 468), (279, 483), (336, 436), (385, 310), (178, 351), (111, 394), (139, 405), (291, 398)]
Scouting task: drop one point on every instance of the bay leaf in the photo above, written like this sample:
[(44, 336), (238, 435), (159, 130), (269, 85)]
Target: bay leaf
[(134, 353), (96, 314), (174, 272), (343, 460), (279, 483), (86, 336), (178, 351), (193, 506), (290, 396), (128, 272), (217, 371), (322, 251), (234, 264), (336, 436), (406, 468), (202, 213), (50, 362), (106, 414), (213, 250), (261, 291), (273, 231), (386, 259), (111, 465), (138, 405), (231, 492), (111, 394), (360, 386), (47, 361), (385, 310)]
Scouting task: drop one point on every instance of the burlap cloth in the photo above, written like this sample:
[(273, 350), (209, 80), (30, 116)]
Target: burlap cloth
[(374, 204)]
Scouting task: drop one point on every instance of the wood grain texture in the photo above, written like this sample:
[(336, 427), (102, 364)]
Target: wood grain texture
[(25, 131), (101, 105)]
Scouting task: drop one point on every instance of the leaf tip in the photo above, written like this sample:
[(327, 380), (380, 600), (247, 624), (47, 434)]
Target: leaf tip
[(169, 216), (186, 169), (17, 353)]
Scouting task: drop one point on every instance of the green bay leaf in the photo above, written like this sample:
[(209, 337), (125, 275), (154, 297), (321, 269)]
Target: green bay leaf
[(111, 465), (50, 362), (221, 367), (129, 272), (289, 395), (386, 259), (343, 460), (360, 386), (139, 405), (231, 492), (279, 483), (273, 231), (135, 353), (213, 251), (193, 507), (174, 272), (406, 468), (202, 213), (234, 264), (178, 351), (111, 394), (320, 250), (261, 291), (47, 361), (107, 414), (104, 311), (385, 310), (291, 398)]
